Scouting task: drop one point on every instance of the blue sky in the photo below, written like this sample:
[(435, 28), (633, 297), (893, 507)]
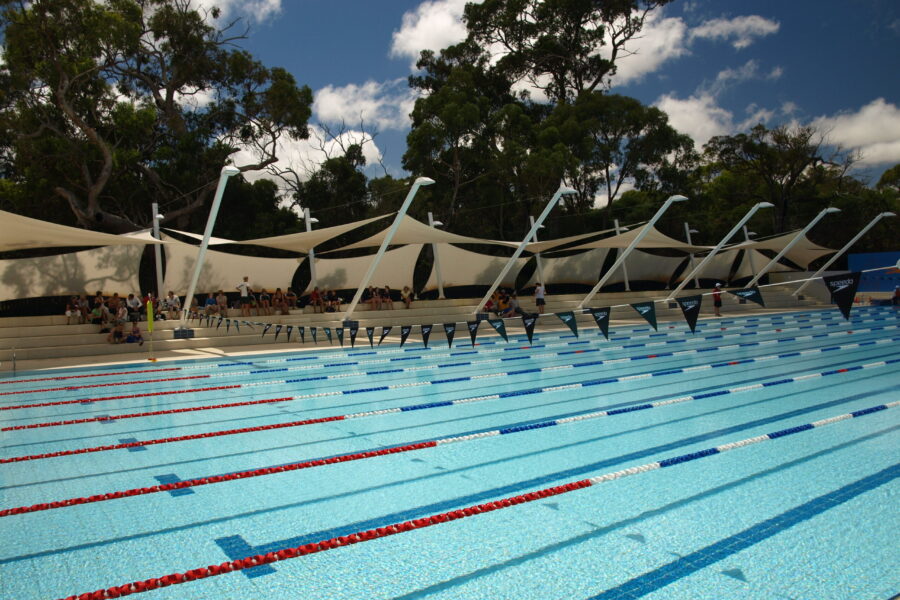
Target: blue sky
[(716, 66)]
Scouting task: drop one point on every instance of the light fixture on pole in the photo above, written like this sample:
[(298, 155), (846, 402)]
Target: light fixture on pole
[(844, 249), (699, 268), (157, 251), (554, 201), (687, 234), (421, 181), (637, 240), (227, 171), (437, 258), (825, 211), (312, 253)]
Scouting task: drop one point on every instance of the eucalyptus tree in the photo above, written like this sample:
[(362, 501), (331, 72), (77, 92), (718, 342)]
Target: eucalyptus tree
[(111, 104)]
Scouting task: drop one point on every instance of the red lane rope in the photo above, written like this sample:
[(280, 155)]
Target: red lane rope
[(104, 399), (325, 545), (109, 374), (96, 385), (182, 438), (307, 464), (170, 411)]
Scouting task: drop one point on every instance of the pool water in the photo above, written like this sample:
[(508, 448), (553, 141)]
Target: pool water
[(808, 513)]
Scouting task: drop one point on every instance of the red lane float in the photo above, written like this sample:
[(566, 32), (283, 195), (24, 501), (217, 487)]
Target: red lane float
[(182, 438), (110, 374), (168, 487), (97, 385), (104, 399), (325, 545), (170, 411)]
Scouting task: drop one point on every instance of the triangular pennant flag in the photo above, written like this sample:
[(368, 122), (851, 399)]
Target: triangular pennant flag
[(354, 329), (843, 290), (288, 331), (384, 332), (237, 326), (370, 331), (312, 332), (208, 320), (340, 334), (278, 329), (646, 310), (227, 325), (601, 316), (751, 294), (450, 330), (249, 324), (569, 319), (426, 333), (404, 333), (266, 329), (690, 308), (529, 322), (327, 331), (301, 331), (500, 327), (219, 322), (473, 330)]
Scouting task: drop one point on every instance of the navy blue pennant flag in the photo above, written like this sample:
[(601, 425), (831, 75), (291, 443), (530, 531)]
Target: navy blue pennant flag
[(312, 332), (426, 333), (690, 308), (301, 331), (601, 317), (327, 331), (529, 322), (354, 329), (569, 319), (843, 290), (384, 333), (227, 325), (751, 294), (500, 327), (450, 331), (278, 329), (473, 330), (648, 311), (370, 332), (266, 329), (219, 322), (288, 331), (237, 326), (340, 334), (404, 333)]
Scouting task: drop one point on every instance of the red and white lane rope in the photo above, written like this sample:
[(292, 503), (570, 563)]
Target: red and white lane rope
[(469, 511)]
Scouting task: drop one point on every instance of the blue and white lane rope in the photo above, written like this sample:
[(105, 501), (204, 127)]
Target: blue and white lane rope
[(469, 511)]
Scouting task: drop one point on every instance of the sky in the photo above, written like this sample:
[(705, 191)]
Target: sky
[(716, 67)]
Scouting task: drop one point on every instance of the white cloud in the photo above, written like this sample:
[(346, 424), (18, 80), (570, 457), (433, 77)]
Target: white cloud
[(255, 10), (874, 130), (434, 25), (749, 71), (789, 108), (660, 40), (741, 31), (697, 116), (384, 105)]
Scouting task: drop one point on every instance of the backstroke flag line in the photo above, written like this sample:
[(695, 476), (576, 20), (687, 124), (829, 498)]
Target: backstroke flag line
[(569, 319), (473, 330), (450, 331), (843, 290), (601, 316), (648, 311)]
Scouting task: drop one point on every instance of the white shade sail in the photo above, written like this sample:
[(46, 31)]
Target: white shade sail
[(18, 233), (803, 252), (579, 268), (653, 239), (307, 240), (412, 231), (460, 267), (395, 269)]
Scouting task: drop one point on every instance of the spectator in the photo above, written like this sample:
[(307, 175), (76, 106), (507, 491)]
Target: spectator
[(117, 334), (84, 306), (134, 307), (372, 298), (717, 300), (121, 315), (210, 306), (386, 299), (407, 296), (279, 304), (512, 307), (265, 303), (73, 311), (172, 305), (222, 303), (97, 315), (316, 299), (113, 303), (539, 299), (135, 335), (246, 292), (291, 299)]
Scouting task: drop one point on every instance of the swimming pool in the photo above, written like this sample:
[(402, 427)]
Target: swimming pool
[(314, 446)]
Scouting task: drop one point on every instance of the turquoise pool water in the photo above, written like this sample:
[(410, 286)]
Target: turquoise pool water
[(807, 515)]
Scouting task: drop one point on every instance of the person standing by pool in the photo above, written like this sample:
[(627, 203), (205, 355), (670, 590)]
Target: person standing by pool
[(717, 300), (244, 288), (539, 297)]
